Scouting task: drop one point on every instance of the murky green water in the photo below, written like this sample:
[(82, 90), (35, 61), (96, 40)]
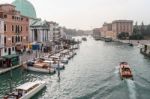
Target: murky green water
[(92, 74)]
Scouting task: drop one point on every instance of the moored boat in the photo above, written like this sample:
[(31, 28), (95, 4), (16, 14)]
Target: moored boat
[(108, 39), (40, 67), (84, 38), (26, 90), (53, 63), (125, 71), (64, 60)]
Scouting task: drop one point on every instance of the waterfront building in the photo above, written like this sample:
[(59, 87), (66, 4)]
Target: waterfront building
[(39, 31), (15, 29), (56, 32), (56, 35), (51, 31), (43, 32), (1, 37), (25, 7), (111, 30), (63, 34)]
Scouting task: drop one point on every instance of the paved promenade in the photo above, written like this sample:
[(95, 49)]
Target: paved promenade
[(135, 42), (25, 57)]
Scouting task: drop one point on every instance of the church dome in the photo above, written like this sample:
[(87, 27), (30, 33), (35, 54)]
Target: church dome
[(25, 8)]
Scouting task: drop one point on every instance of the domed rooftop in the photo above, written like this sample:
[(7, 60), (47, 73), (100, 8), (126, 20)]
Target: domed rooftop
[(25, 7)]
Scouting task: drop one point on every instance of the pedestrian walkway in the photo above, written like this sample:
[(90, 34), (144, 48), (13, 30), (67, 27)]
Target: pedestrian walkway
[(135, 42), (3, 70), (24, 58)]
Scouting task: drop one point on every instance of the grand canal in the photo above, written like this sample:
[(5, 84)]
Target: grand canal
[(92, 74)]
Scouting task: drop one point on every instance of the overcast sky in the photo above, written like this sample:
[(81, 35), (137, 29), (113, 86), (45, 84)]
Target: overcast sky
[(87, 14)]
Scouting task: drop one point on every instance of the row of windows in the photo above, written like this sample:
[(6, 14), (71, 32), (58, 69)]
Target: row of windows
[(6, 49), (124, 27), (15, 28), (15, 39), (16, 18)]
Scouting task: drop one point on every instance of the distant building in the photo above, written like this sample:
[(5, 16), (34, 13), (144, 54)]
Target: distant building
[(111, 30), (15, 29), (55, 31), (96, 33)]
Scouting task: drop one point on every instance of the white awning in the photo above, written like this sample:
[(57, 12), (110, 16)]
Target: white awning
[(27, 85)]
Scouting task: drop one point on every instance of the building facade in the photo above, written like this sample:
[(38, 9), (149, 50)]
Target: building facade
[(55, 31), (111, 30), (1, 37), (15, 29), (38, 31), (46, 34)]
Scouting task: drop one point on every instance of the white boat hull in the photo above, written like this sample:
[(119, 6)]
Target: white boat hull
[(41, 70), (64, 60), (61, 66)]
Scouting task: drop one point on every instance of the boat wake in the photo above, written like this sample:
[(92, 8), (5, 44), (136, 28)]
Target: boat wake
[(131, 88), (116, 70)]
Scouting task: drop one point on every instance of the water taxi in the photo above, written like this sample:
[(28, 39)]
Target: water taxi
[(39, 67), (52, 63), (26, 90), (125, 71)]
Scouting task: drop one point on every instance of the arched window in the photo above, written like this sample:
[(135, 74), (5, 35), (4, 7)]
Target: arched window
[(16, 39), (5, 39), (12, 39)]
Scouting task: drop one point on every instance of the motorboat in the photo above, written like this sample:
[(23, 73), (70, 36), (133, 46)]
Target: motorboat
[(53, 63), (108, 39), (125, 71), (39, 67), (84, 38), (64, 60), (130, 44), (26, 90), (72, 53)]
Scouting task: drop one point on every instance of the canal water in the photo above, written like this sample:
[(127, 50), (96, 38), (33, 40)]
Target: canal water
[(91, 74)]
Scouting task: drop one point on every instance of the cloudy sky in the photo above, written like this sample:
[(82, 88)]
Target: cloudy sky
[(87, 14)]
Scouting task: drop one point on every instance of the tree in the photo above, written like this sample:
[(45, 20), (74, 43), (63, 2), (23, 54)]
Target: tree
[(123, 35), (136, 37), (147, 31), (136, 29), (142, 28)]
